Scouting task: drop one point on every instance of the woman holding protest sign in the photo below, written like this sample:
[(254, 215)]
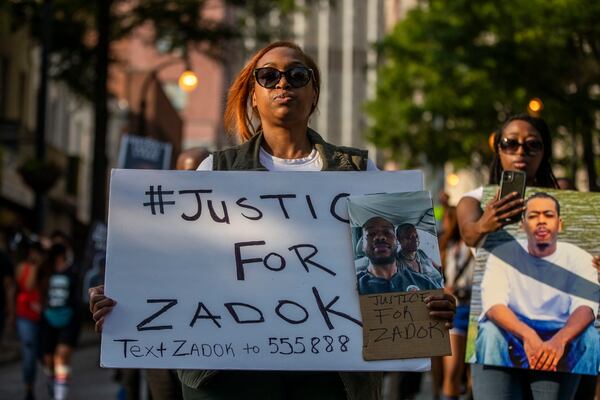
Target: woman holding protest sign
[(269, 106), (522, 143)]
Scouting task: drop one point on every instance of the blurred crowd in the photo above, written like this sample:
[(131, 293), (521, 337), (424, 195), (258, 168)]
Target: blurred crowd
[(41, 299)]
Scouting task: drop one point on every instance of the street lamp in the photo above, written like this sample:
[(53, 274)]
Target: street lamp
[(453, 179), (535, 106), (188, 81)]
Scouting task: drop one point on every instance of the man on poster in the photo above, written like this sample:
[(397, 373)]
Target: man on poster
[(383, 274), (412, 257), (540, 299)]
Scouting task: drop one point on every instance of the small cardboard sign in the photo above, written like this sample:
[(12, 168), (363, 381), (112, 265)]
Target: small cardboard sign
[(398, 325), (397, 266)]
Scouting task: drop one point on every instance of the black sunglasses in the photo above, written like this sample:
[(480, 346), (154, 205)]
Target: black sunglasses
[(530, 147), (269, 77)]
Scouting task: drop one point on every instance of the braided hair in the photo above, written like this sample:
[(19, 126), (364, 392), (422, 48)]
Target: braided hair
[(544, 177)]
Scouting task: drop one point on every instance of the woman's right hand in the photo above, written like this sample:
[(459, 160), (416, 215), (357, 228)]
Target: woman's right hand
[(497, 212), (100, 305)]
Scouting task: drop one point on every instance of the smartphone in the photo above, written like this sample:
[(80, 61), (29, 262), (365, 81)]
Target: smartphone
[(513, 181)]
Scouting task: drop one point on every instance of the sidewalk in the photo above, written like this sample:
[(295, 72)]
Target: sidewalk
[(10, 348)]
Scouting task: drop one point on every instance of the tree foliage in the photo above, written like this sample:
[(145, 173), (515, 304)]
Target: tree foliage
[(178, 25), (454, 69)]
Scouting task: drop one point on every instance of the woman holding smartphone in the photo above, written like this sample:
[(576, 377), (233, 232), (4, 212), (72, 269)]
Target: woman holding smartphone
[(523, 143)]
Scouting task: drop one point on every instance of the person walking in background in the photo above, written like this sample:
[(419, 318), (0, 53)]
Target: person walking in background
[(28, 309), (60, 321), (458, 265), (7, 293)]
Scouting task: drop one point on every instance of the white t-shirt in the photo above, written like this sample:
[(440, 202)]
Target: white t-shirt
[(476, 193), (516, 279), (312, 162)]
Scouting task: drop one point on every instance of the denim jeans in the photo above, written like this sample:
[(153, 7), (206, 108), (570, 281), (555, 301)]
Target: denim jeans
[(29, 336), (499, 383), (495, 346)]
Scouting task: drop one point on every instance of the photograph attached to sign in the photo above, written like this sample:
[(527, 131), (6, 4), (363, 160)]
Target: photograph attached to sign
[(536, 293), (395, 243), (397, 265)]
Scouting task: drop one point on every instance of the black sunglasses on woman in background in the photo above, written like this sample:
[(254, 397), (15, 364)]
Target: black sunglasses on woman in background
[(530, 147)]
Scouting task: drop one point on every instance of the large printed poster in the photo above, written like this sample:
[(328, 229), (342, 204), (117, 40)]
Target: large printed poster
[(238, 270), (536, 293)]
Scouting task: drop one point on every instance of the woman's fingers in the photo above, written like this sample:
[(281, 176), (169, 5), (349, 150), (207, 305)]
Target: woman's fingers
[(102, 303), (98, 326), (442, 307), (441, 301), (95, 293), (442, 315), (100, 306), (101, 312), (447, 316), (99, 316), (510, 206), (511, 197)]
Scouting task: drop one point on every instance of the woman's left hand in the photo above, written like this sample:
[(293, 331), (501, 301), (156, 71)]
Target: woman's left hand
[(442, 307)]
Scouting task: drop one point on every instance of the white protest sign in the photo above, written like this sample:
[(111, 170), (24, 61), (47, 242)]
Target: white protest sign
[(237, 270)]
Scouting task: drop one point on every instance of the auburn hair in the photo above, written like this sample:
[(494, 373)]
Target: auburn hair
[(238, 117)]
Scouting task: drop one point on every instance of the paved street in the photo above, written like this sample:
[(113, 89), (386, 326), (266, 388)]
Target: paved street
[(89, 381)]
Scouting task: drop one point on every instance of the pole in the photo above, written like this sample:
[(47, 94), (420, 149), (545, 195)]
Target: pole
[(40, 120), (98, 211), (152, 76)]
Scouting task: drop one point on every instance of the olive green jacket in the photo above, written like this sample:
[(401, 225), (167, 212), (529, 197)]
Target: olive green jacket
[(246, 156), (358, 385)]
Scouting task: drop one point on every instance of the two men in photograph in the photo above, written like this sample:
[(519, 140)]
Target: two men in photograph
[(384, 273)]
